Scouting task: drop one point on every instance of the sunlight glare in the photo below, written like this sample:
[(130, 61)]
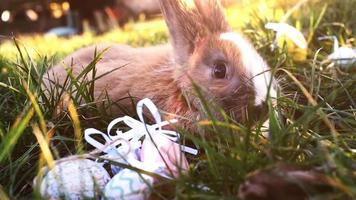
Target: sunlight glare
[(65, 6), (5, 16), (32, 15)]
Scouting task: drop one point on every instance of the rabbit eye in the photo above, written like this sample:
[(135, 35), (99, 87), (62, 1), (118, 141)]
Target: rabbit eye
[(219, 70)]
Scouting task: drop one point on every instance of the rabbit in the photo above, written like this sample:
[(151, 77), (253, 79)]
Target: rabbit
[(203, 52)]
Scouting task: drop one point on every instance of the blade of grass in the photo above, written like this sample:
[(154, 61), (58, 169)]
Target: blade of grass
[(46, 152), (16, 42), (204, 103), (2, 132), (9, 87), (80, 87), (76, 125), (316, 25), (15, 132), (3, 195), (219, 123), (312, 101), (37, 108)]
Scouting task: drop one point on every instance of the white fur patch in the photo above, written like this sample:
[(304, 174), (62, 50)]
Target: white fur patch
[(254, 63)]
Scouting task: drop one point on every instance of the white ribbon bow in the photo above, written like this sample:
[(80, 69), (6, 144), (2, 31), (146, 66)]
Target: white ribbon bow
[(121, 146)]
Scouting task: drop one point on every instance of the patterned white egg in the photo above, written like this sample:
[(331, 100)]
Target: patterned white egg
[(74, 179), (129, 185)]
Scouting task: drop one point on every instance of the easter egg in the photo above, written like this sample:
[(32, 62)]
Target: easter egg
[(130, 185), (74, 179)]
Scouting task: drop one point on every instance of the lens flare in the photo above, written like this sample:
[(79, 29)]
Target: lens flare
[(5, 16), (32, 15)]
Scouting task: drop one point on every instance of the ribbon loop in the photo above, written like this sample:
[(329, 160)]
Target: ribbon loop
[(152, 108), (123, 146)]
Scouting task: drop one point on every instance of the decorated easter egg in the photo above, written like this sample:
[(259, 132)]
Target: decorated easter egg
[(130, 185), (74, 179)]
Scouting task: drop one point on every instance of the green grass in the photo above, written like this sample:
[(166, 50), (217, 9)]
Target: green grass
[(313, 123)]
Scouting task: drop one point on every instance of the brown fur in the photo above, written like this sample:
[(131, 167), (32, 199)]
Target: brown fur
[(154, 79), (165, 73)]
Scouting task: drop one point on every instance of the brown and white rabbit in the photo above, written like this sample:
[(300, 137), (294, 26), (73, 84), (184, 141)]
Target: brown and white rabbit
[(203, 51)]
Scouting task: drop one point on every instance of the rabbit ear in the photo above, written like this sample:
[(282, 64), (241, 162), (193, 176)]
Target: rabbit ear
[(212, 16), (187, 24)]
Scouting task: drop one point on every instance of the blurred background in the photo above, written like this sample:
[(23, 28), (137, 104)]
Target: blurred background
[(69, 17), (55, 28)]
